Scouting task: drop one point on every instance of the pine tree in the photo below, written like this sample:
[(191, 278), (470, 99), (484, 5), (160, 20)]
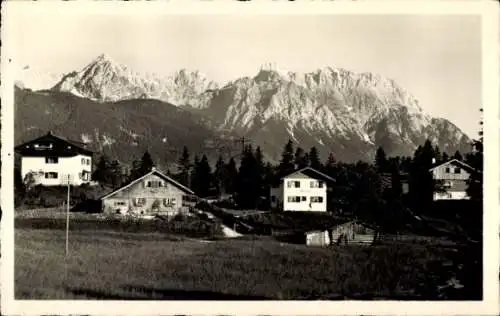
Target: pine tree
[(194, 181), (330, 165), (184, 167), (458, 156), (367, 192), (230, 176), (422, 184), (135, 171), (218, 176), (396, 183), (146, 163), (116, 174), (381, 160), (268, 180), (260, 169), (202, 177), (101, 172), (314, 160), (444, 157), (249, 181), (286, 165), (301, 158)]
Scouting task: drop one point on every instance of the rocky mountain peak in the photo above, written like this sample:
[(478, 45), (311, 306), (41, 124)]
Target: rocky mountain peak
[(331, 108), (106, 80)]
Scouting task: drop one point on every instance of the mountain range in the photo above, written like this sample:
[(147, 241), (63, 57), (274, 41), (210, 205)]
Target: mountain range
[(120, 111)]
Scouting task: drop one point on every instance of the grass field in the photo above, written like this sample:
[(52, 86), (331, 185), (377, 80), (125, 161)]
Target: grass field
[(111, 264)]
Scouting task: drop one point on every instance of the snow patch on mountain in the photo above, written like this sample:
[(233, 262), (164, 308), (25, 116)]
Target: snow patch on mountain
[(86, 138), (128, 132), (35, 78)]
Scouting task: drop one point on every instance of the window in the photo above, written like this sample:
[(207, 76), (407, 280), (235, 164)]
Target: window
[(139, 201), (316, 184), (120, 203), (294, 199), (169, 202), (304, 198), (273, 198), (293, 184), (43, 146), (88, 162), (51, 159), (457, 170), (447, 170), (154, 184), (50, 175), (83, 161), (447, 184), (316, 199)]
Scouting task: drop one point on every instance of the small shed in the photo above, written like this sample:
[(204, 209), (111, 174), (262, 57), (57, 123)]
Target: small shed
[(317, 238)]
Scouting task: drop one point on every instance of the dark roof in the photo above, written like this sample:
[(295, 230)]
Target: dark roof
[(156, 172), (51, 144), (455, 162), (312, 173)]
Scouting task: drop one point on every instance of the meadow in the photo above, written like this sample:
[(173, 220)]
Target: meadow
[(112, 263)]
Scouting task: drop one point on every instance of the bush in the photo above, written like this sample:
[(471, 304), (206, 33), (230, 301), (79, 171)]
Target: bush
[(42, 196)]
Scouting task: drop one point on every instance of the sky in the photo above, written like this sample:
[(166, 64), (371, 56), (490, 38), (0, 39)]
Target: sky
[(437, 58)]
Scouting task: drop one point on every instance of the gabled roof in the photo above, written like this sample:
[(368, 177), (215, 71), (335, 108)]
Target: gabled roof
[(61, 146), (312, 173), (153, 171), (455, 162)]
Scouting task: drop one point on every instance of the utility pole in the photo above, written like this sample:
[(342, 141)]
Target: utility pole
[(242, 140), (67, 214)]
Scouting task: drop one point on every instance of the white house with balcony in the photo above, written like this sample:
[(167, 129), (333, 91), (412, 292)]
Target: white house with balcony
[(304, 190), (452, 177), (52, 160)]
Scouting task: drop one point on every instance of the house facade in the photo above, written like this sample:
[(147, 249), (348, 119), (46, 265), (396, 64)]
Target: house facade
[(153, 193), (53, 160), (304, 190), (452, 176)]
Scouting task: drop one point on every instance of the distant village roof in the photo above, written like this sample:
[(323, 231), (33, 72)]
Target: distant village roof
[(50, 144), (455, 162), (153, 171), (313, 173)]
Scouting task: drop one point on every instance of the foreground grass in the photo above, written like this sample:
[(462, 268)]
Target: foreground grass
[(151, 265)]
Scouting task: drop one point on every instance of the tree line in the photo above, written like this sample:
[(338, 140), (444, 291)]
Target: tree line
[(366, 189)]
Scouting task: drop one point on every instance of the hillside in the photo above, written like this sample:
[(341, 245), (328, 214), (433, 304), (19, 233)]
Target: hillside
[(122, 130)]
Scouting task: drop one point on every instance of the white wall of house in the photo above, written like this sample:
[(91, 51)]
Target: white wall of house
[(301, 193), (454, 179), (51, 171)]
